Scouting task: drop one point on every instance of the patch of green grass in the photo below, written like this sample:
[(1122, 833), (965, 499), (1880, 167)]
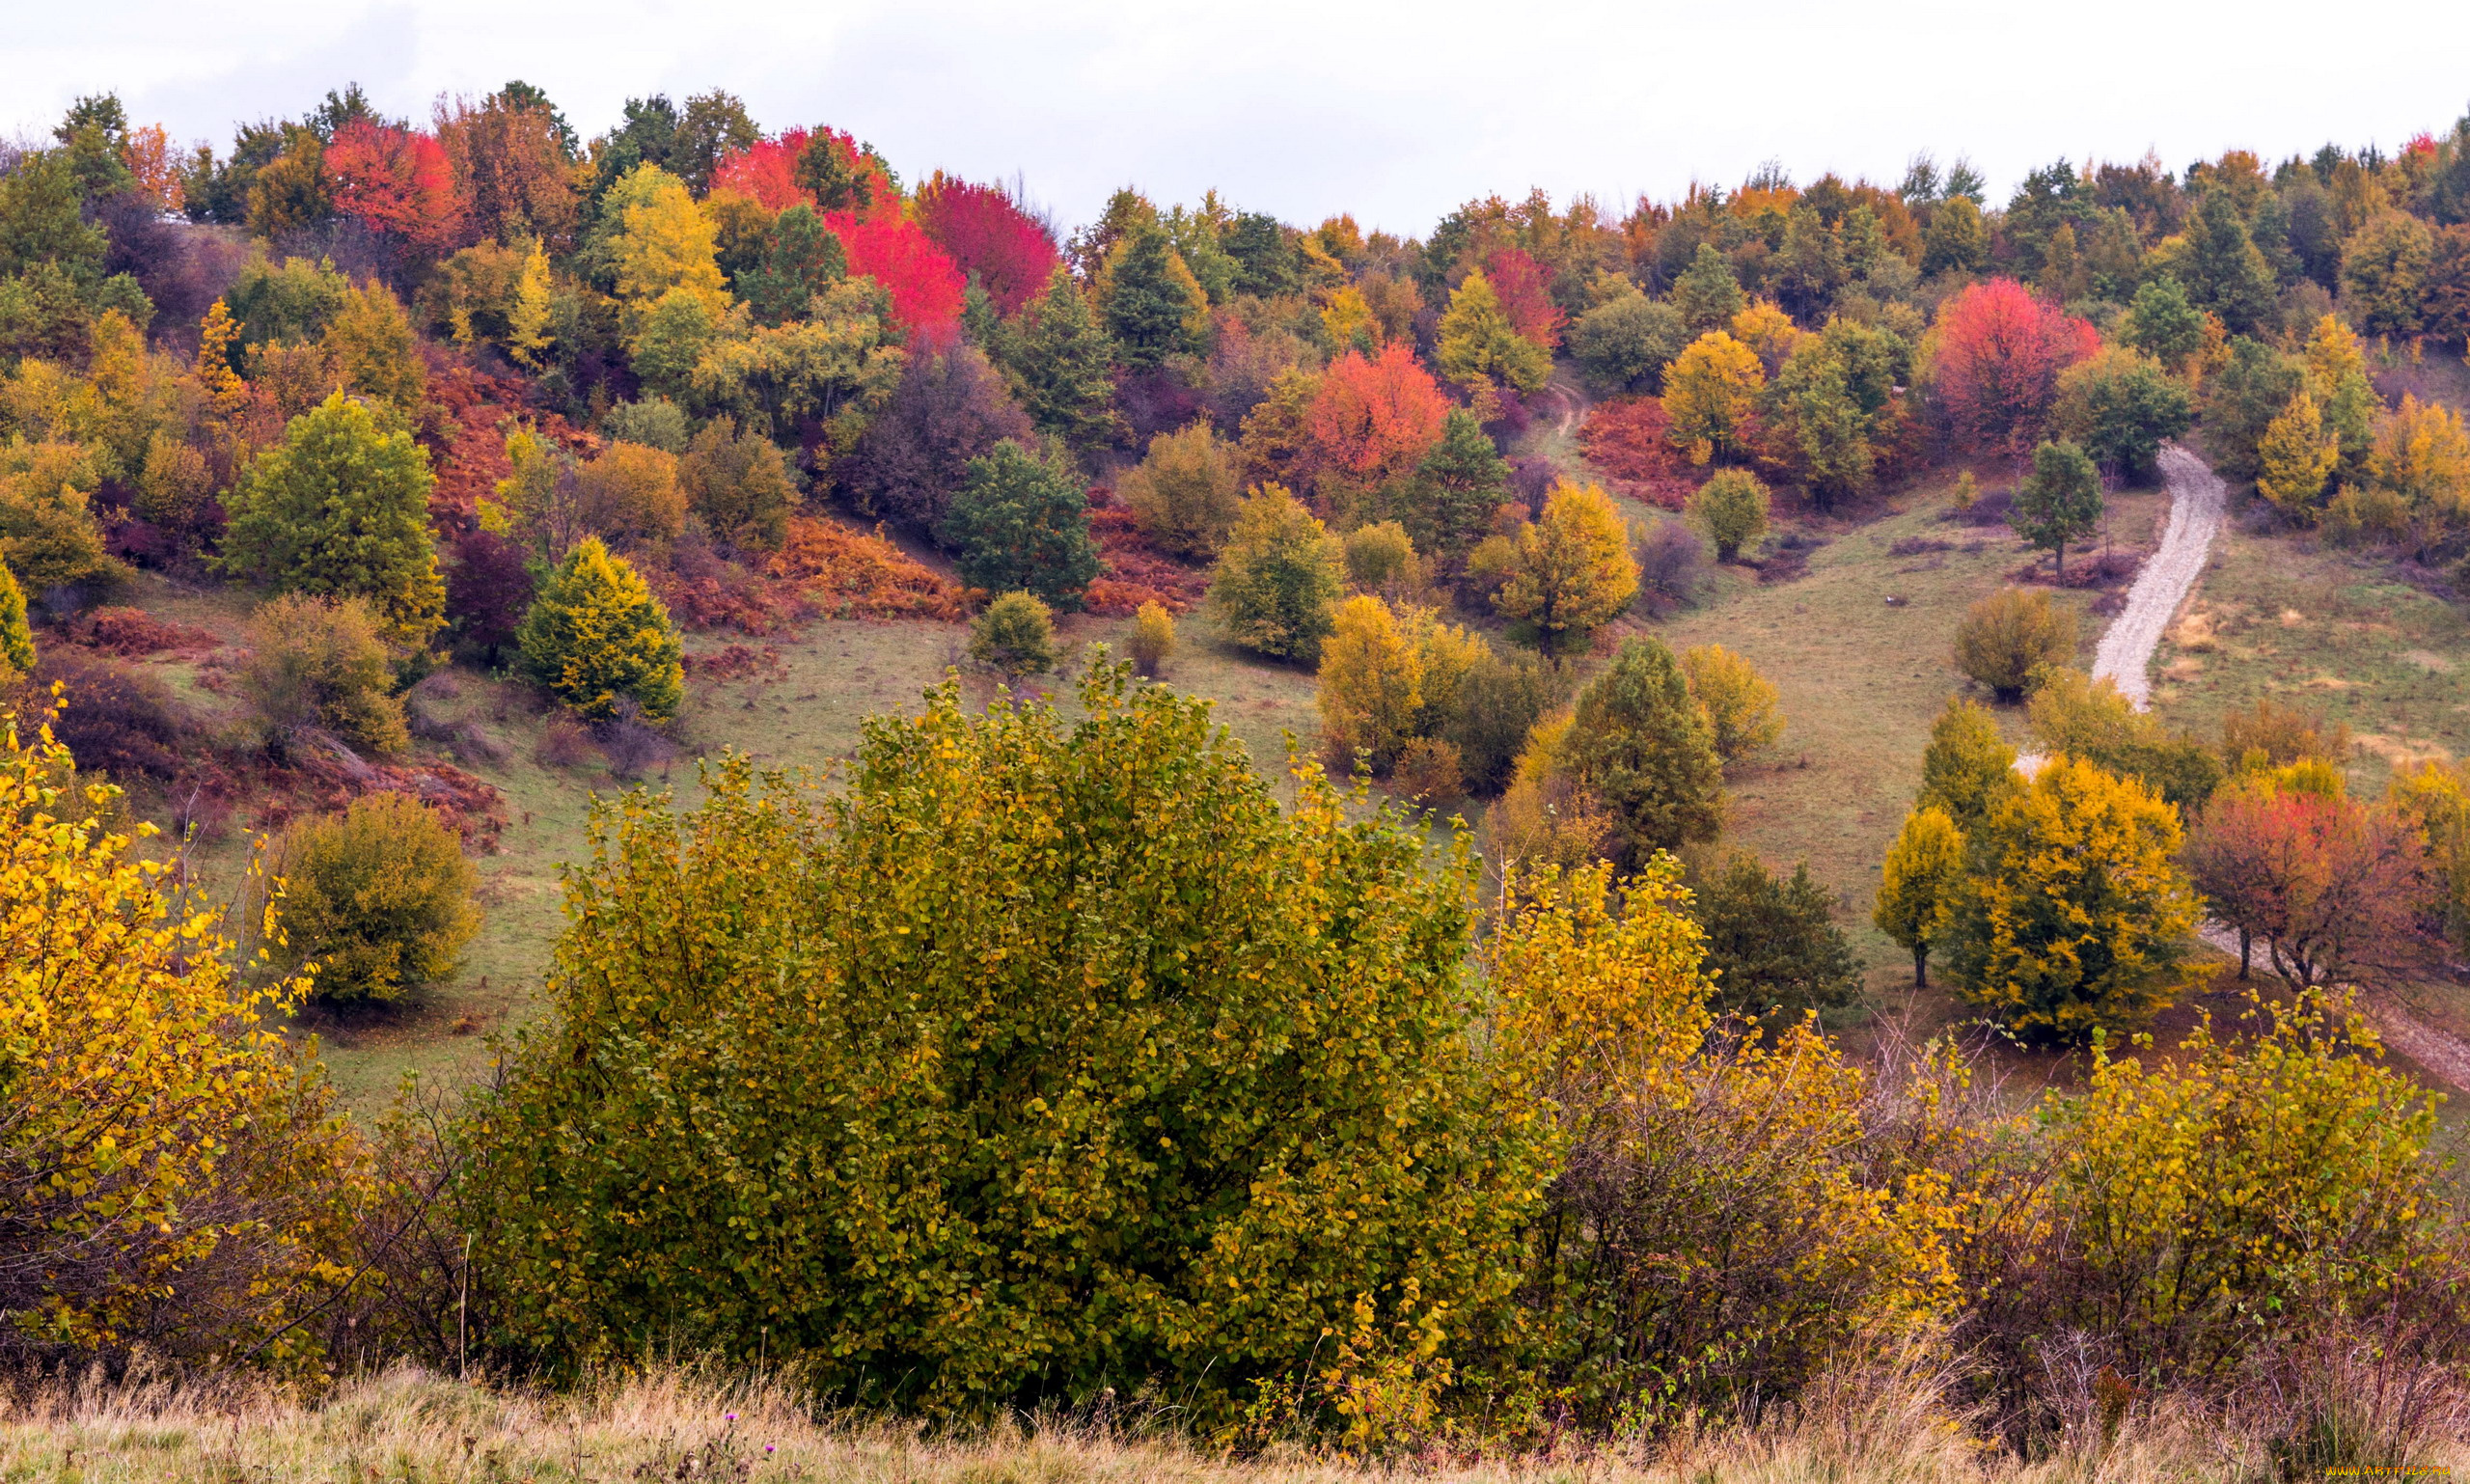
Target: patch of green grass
[(1860, 653), (2285, 617)]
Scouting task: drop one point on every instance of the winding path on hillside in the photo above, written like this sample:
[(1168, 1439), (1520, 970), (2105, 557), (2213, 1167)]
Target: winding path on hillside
[(2198, 502)]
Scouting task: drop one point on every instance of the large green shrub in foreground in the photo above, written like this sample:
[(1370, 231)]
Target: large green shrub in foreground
[(1047, 1058)]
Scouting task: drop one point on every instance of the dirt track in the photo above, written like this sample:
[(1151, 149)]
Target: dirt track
[(2197, 501)]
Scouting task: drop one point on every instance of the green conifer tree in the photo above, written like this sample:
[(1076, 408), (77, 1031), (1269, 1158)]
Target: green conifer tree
[(1065, 363), (1155, 308), (1708, 293), (596, 635), (2224, 270), (1457, 487)]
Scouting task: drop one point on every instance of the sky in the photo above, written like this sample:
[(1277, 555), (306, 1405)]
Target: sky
[(1304, 108)]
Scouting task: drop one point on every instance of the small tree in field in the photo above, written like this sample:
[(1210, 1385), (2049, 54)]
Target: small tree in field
[(1739, 701), (1570, 572), (2005, 636), (379, 897), (2076, 914), (2334, 889), (1772, 945), (1015, 635), (1153, 639), (1731, 508), (2059, 502), (598, 636), (1279, 577), (319, 664), (1918, 885), (1641, 746), (1371, 686), (1967, 770), (1185, 492)]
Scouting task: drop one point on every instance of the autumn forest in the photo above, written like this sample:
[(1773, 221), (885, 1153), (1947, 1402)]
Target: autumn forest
[(696, 801)]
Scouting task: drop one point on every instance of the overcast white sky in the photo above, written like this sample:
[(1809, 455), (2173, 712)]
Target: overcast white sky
[(1306, 107)]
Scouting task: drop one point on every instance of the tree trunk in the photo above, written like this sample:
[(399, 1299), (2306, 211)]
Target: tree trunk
[(2246, 950), (1920, 967)]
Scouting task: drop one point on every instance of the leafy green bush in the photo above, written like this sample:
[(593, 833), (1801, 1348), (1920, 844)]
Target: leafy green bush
[(1642, 746), (1731, 508), (1015, 635), (1279, 578), (596, 635), (1184, 494), (1023, 522), (1033, 1064), (317, 663), (379, 897), (340, 507), (1772, 945)]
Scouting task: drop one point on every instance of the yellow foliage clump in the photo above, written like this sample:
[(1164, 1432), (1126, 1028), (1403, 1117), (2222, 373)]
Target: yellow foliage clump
[(1710, 390), (171, 1166)]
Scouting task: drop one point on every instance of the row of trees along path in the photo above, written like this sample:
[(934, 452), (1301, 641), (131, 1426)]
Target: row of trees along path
[(2198, 502)]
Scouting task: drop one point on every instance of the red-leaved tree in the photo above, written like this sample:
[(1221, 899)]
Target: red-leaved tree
[(395, 181), (2331, 888), (823, 168), (925, 284), (986, 233), (1525, 295), (1372, 420), (766, 171), (2001, 350), (1629, 441)]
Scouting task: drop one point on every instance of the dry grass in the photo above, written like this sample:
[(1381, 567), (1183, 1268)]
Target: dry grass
[(679, 1423)]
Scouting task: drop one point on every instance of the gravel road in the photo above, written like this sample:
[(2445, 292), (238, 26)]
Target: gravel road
[(2197, 501)]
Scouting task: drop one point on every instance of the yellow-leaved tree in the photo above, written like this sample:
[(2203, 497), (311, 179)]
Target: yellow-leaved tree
[(599, 639), (1740, 704), (1727, 1212), (2076, 912), (172, 1171), (662, 241), (1478, 344), (1709, 390), (1917, 887), (1570, 572), (1371, 686), (2295, 457)]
